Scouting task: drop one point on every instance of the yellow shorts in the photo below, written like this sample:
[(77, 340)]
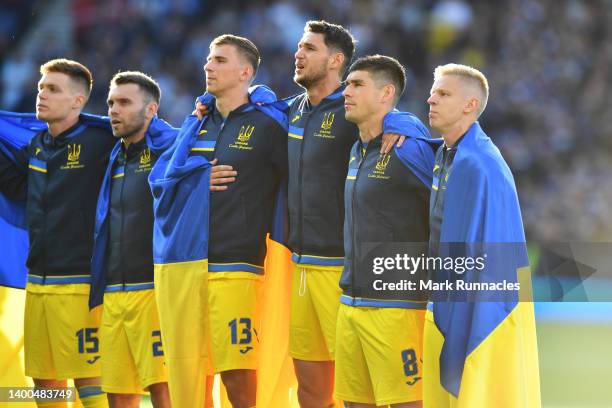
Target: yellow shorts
[(234, 313), (315, 297), (379, 355), (181, 294), (60, 332), (130, 342)]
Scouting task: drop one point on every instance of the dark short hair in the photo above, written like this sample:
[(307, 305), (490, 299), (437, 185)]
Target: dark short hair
[(75, 70), (385, 70), (335, 37), (245, 47), (147, 84)]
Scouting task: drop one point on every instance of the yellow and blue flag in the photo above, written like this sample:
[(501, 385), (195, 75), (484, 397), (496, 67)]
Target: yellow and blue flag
[(482, 351), (16, 130), (180, 186), (159, 137)]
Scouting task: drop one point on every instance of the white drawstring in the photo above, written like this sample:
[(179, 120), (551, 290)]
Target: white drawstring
[(302, 290)]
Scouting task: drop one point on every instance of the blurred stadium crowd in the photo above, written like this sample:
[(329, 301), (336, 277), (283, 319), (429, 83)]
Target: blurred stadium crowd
[(548, 64)]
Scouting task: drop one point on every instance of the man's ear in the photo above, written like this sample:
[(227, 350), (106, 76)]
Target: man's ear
[(472, 105), (151, 110), (337, 59), (388, 93), (79, 101), (246, 74)]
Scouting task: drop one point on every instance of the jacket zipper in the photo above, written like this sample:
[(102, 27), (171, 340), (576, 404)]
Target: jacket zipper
[(352, 223), (122, 207), (440, 177), (301, 183), (43, 202), (220, 136)]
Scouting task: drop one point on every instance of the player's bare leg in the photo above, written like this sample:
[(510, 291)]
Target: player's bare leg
[(123, 400), (160, 396), (315, 383), (49, 383), (38, 383), (241, 386)]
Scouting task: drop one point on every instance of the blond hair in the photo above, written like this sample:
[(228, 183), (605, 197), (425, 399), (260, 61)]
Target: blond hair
[(471, 76)]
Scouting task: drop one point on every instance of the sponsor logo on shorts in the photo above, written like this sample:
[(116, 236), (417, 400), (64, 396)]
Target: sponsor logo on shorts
[(413, 381), (93, 360)]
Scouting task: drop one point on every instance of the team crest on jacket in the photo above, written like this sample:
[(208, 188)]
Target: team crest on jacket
[(243, 138), (326, 126), (381, 167), (145, 161), (74, 155)]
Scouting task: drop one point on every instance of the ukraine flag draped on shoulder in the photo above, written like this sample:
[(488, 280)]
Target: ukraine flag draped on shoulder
[(482, 352), (16, 131), (159, 137), (180, 186)]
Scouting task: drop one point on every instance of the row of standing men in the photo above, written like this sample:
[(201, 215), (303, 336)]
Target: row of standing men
[(347, 183)]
